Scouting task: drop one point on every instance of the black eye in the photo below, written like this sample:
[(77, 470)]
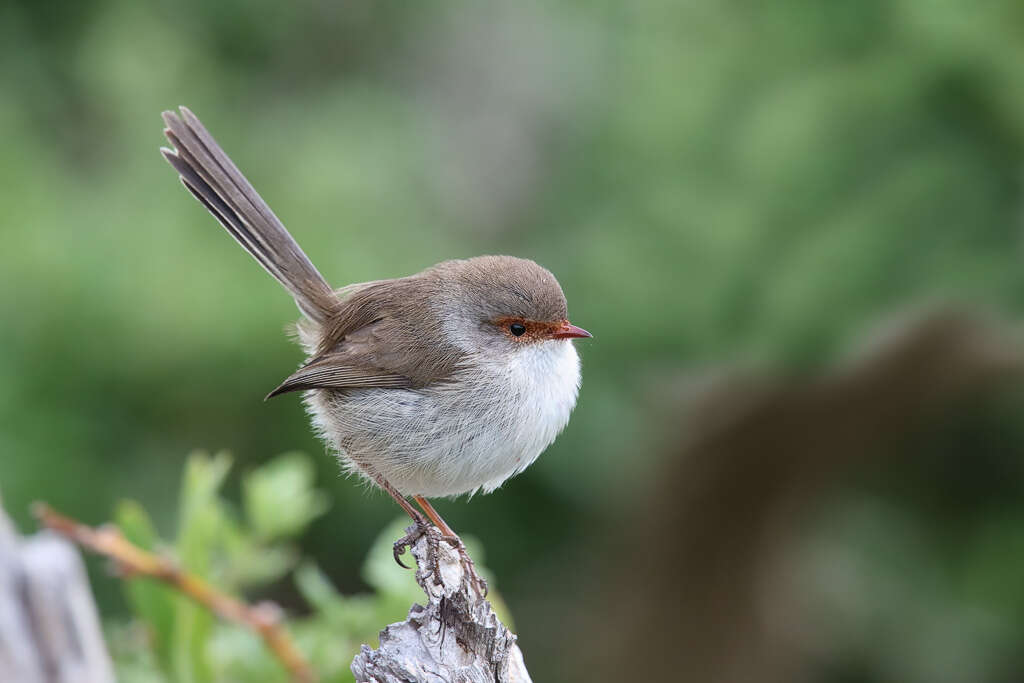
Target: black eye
[(518, 329)]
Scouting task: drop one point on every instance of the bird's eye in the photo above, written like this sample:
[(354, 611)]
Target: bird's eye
[(517, 329)]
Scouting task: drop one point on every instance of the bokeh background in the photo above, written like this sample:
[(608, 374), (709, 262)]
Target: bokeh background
[(721, 188)]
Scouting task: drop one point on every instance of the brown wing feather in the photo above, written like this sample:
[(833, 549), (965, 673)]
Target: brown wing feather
[(333, 372), (381, 334)]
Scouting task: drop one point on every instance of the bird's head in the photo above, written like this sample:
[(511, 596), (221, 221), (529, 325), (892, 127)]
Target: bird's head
[(502, 304)]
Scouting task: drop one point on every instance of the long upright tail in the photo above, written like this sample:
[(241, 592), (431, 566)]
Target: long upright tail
[(216, 182)]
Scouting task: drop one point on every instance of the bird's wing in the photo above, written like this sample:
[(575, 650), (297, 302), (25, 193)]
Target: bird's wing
[(336, 371), (379, 338)]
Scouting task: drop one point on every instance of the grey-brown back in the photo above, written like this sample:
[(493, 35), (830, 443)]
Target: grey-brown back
[(406, 332)]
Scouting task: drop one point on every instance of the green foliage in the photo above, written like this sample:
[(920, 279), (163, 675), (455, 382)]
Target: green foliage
[(171, 638), (279, 498), (710, 182)]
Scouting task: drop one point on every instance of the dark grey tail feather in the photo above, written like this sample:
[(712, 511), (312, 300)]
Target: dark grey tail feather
[(218, 184)]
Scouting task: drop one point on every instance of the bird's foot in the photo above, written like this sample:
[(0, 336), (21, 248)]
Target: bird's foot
[(414, 533), (422, 528), (477, 581)]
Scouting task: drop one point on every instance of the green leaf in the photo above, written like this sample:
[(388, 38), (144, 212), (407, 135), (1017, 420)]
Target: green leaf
[(151, 601), (315, 588), (279, 497), (199, 505), (248, 563), (201, 527), (190, 645), (240, 655), (380, 569)]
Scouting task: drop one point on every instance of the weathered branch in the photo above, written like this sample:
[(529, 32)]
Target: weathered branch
[(455, 637), (264, 619), (49, 629)]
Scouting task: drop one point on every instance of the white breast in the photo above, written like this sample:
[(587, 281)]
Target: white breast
[(460, 437)]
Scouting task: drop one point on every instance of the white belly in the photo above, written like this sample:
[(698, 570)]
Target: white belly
[(461, 437)]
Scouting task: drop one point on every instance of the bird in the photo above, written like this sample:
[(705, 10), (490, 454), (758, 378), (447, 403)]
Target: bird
[(441, 383)]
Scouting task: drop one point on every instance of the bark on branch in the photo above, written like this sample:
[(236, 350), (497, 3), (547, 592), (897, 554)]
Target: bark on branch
[(456, 636), (49, 629)]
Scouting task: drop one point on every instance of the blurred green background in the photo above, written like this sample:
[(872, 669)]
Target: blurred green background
[(713, 183)]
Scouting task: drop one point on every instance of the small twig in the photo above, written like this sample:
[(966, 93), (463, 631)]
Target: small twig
[(108, 540)]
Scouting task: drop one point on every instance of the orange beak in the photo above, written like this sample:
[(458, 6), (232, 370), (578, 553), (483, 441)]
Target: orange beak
[(568, 331)]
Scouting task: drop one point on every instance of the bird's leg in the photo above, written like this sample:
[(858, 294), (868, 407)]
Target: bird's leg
[(447, 534), (434, 516), (423, 527)]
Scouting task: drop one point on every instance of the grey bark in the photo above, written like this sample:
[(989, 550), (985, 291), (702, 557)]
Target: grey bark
[(49, 628), (455, 638)]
